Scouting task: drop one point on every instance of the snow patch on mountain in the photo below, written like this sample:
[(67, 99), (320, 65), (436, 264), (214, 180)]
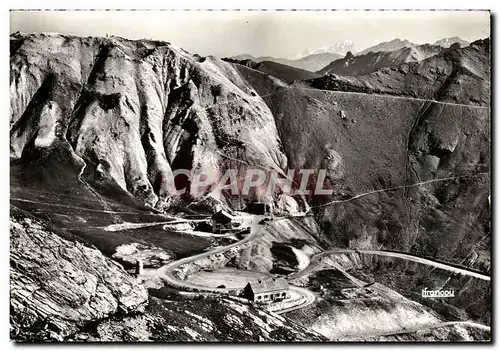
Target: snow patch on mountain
[(340, 48), (447, 42)]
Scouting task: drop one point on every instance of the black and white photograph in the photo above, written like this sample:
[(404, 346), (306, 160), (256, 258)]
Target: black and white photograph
[(258, 176)]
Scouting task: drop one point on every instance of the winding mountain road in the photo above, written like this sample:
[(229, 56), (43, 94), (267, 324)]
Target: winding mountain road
[(127, 226), (316, 264), (399, 187), (166, 272), (447, 267), (308, 294)]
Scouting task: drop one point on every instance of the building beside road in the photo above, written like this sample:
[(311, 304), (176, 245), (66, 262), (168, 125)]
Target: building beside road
[(223, 222), (258, 208), (267, 290)]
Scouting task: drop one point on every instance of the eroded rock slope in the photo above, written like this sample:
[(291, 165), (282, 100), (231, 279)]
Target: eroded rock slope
[(134, 111), (58, 285)]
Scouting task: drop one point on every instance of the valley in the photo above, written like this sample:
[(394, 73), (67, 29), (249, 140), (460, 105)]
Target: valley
[(101, 128)]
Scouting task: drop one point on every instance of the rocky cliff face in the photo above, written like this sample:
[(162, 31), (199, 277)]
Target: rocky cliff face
[(58, 285), (135, 111)]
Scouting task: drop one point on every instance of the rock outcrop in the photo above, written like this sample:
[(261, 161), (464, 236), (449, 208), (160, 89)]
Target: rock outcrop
[(200, 319), (135, 111), (58, 285)]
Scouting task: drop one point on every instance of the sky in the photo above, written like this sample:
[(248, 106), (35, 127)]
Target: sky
[(260, 33)]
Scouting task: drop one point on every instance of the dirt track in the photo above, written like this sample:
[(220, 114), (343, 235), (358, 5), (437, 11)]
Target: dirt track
[(463, 271), (309, 295), (167, 275), (166, 272)]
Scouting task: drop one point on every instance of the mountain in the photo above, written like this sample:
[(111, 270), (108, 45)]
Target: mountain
[(317, 59), (349, 126), (284, 72), (371, 61), (310, 63), (98, 126), (397, 44), (440, 77), (340, 48), (114, 117), (62, 104), (315, 62), (244, 57), (392, 45), (447, 42), (280, 60)]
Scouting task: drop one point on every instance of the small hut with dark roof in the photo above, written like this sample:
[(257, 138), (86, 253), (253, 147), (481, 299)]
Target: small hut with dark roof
[(222, 222), (258, 208), (267, 290)]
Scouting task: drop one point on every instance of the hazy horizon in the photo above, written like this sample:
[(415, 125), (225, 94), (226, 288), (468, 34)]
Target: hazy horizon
[(260, 33)]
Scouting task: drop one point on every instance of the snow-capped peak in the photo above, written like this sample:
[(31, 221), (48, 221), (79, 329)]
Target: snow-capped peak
[(447, 42), (340, 48)]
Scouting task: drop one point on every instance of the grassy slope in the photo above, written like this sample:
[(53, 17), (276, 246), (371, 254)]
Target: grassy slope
[(472, 296), (344, 311), (372, 143), (50, 182), (284, 72)]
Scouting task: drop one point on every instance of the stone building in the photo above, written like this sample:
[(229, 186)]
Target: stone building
[(222, 222), (267, 290)]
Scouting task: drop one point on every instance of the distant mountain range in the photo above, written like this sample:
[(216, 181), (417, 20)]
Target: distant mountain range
[(243, 57), (284, 72), (312, 63), (397, 44), (340, 48), (317, 59), (447, 42), (392, 45), (371, 61)]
